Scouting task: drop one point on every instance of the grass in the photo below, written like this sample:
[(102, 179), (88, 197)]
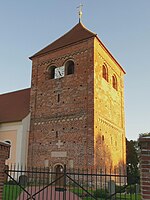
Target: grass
[(118, 197), (80, 192), (128, 197), (11, 192)]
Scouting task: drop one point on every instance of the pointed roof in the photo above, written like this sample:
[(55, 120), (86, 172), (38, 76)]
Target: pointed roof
[(76, 34), (14, 105)]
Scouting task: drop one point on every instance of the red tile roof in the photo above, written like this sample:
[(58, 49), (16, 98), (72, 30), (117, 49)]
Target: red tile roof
[(14, 106), (76, 34)]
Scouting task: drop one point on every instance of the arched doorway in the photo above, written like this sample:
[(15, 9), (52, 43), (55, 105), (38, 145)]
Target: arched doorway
[(59, 169)]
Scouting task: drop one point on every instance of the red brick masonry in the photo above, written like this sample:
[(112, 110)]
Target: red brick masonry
[(4, 154), (145, 167)]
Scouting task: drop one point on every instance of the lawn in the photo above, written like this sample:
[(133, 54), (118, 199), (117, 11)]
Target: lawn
[(82, 194), (11, 192)]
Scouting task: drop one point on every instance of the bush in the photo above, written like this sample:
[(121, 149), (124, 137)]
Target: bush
[(100, 193), (131, 189), (11, 182), (120, 189)]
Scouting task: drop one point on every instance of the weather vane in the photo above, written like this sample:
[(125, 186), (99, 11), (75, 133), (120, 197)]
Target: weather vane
[(80, 11)]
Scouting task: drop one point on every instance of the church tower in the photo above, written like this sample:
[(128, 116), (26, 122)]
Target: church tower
[(77, 104)]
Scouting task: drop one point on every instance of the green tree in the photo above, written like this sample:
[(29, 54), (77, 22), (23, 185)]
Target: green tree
[(132, 161)]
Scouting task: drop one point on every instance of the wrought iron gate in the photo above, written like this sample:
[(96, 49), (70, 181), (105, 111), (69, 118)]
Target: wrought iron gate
[(70, 184)]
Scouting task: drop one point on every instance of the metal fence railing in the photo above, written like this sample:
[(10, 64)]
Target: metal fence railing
[(67, 184)]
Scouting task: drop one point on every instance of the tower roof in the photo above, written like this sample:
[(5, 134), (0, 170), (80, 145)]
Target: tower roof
[(76, 34)]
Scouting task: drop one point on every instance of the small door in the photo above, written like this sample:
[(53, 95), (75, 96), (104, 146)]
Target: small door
[(59, 173)]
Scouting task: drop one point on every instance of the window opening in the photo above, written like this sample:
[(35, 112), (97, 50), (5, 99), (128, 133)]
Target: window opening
[(114, 82), (69, 67), (8, 142), (52, 72), (56, 134), (58, 98), (102, 137), (105, 73)]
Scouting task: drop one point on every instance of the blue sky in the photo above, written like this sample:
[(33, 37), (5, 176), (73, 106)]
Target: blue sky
[(123, 26)]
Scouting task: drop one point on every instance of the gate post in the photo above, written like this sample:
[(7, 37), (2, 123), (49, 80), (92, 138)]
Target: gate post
[(145, 166), (4, 154)]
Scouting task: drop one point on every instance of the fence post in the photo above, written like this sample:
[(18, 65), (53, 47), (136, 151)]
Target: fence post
[(64, 189), (4, 154), (145, 167)]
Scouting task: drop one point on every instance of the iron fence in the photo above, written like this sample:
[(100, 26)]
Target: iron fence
[(68, 184)]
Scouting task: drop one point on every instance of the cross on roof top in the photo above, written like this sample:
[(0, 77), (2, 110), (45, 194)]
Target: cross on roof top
[(80, 11)]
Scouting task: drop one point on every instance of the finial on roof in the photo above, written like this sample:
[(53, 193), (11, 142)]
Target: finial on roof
[(80, 11)]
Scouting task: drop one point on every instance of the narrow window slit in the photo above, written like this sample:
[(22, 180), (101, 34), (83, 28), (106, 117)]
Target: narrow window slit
[(58, 98), (56, 134)]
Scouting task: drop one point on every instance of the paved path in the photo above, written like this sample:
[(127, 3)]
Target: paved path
[(47, 194)]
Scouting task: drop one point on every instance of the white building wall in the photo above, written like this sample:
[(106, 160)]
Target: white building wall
[(17, 133)]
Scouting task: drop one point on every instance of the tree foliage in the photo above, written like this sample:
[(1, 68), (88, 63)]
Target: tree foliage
[(132, 161)]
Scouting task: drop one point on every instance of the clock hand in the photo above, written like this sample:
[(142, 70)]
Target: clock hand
[(59, 73)]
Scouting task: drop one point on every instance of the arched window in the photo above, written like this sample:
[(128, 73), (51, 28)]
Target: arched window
[(105, 72), (69, 67), (8, 142), (114, 82), (51, 72)]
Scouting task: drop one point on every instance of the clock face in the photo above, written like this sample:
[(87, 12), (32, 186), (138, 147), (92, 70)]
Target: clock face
[(59, 72)]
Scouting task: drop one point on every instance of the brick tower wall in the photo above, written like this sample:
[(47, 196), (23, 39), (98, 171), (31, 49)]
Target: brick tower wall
[(109, 126), (69, 121), (145, 167)]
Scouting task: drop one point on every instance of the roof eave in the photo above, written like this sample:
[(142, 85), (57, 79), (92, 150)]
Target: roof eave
[(11, 121), (39, 55)]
